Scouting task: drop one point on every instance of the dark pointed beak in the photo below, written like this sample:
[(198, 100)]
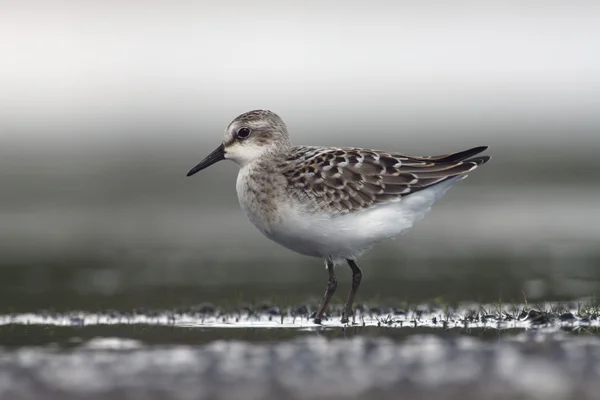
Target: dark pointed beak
[(217, 155)]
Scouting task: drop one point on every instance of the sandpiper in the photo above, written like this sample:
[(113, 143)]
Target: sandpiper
[(328, 202)]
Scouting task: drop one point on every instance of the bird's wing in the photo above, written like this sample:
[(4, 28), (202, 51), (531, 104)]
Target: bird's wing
[(351, 179)]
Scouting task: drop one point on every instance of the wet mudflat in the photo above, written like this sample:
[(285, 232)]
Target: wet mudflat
[(457, 328), (139, 300), (310, 367), (469, 351)]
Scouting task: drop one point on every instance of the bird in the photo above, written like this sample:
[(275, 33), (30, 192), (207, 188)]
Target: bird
[(332, 203)]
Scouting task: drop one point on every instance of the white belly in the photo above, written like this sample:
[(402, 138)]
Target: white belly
[(346, 236)]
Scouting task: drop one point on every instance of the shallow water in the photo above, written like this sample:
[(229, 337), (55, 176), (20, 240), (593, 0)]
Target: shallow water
[(425, 366), (307, 365), (266, 352)]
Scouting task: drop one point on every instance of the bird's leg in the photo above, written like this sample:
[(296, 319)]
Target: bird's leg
[(356, 278), (331, 286)]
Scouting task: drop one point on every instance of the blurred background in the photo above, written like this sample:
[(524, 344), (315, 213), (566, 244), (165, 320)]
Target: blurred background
[(104, 107)]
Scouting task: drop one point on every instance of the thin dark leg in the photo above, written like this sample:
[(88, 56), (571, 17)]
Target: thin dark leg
[(356, 278), (331, 286)]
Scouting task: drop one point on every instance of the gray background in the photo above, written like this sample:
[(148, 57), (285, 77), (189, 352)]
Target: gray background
[(104, 107)]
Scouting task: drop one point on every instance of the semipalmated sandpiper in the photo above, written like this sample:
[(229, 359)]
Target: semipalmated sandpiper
[(327, 202)]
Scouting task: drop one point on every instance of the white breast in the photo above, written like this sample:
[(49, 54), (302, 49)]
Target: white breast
[(247, 195)]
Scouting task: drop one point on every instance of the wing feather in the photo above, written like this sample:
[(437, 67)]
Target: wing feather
[(351, 179)]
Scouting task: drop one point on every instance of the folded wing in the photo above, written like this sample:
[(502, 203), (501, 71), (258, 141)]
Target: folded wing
[(351, 179)]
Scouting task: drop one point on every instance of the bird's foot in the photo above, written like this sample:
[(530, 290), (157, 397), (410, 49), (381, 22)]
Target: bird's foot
[(346, 316)]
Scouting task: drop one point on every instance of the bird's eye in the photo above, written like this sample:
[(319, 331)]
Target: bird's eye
[(243, 133)]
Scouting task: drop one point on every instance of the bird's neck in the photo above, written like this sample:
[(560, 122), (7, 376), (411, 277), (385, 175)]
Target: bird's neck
[(269, 157)]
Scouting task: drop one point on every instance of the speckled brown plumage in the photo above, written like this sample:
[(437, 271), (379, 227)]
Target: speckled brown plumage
[(350, 179)]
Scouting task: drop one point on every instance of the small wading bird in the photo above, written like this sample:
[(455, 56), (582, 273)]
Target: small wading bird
[(327, 202)]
